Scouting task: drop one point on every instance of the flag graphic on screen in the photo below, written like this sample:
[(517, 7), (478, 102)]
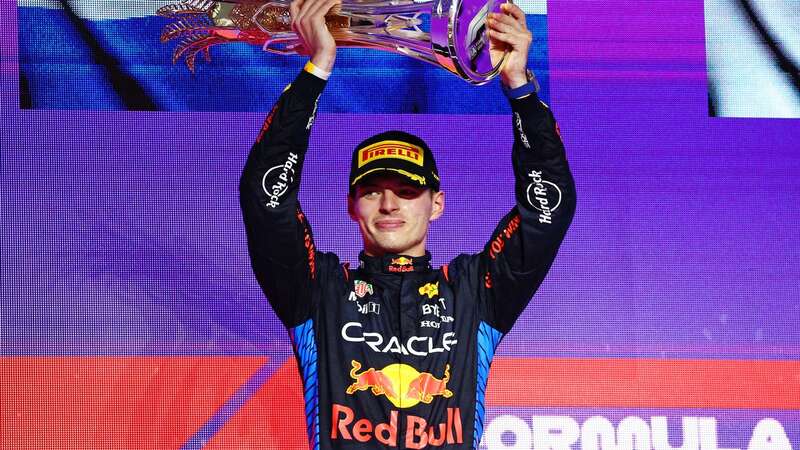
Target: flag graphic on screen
[(107, 55)]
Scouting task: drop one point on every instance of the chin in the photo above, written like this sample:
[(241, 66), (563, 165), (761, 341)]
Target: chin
[(389, 246), (398, 242), (398, 249)]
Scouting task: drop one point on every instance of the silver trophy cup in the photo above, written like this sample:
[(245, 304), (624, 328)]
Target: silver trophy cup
[(448, 33)]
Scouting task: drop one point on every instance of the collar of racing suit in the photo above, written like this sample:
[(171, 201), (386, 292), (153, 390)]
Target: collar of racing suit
[(393, 263)]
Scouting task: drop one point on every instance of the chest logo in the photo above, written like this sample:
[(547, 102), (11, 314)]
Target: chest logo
[(413, 345), (362, 288), (430, 289), (402, 384), (401, 264)]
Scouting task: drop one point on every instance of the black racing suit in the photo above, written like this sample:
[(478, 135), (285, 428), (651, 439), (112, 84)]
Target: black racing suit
[(395, 353)]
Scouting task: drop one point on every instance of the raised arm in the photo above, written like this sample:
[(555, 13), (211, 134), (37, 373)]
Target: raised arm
[(279, 238), (516, 259)]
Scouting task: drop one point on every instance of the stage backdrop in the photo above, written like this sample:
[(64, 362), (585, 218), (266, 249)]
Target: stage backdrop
[(669, 320)]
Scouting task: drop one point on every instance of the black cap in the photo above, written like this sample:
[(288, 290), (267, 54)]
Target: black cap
[(397, 152)]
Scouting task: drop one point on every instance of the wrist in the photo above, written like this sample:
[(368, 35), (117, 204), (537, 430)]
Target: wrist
[(515, 80), (311, 68), (516, 90), (324, 61)]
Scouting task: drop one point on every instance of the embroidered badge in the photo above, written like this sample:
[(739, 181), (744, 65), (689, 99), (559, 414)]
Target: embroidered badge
[(430, 289)]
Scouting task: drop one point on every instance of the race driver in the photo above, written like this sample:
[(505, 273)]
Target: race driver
[(396, 353)]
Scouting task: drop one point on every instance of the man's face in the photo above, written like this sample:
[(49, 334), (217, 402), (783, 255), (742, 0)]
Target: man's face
[(393, 214)]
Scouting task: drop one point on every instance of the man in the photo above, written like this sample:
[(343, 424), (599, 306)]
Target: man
[(396, 354)]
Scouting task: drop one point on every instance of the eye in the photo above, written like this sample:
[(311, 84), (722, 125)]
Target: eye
[(369, 193), (409, 192)]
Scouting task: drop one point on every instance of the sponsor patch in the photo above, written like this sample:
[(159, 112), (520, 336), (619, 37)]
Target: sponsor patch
[(437, 311), (402, 384), (391, 149), (418, 432), (411, 345), (430, 289), (369, 308), (498, 243), (546, 196), (401, 264), (362, 288), (281, 176), (402, 261)]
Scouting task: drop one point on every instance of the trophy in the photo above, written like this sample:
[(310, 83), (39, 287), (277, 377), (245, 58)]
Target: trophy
[(447, 33)]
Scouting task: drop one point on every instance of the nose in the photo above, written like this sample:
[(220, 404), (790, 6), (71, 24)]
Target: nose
[(388, 201)]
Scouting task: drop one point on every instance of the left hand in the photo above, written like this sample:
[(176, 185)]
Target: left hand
[(308, 21), (508, 32)]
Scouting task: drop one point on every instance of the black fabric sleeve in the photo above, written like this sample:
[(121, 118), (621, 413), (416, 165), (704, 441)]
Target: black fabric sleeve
[(522, 248), (279, 238)]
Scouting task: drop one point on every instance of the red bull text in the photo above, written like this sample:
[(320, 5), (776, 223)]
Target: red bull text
[(418, 433), (401, 264)]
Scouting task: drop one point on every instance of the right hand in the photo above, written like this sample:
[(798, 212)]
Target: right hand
[(308, 21), (508, 32)]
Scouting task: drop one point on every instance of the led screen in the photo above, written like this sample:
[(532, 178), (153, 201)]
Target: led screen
[(131, 317), (753, 58), (108, 55)]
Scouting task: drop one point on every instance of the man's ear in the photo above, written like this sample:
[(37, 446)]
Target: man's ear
[(438, 205)]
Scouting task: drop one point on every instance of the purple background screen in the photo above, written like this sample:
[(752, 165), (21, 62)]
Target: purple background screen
[(121, 233)]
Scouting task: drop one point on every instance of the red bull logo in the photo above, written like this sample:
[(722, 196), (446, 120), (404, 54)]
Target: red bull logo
[(426, 386), (419, 434), (401, 264), (373, 379), (401, 384), (402, 261)]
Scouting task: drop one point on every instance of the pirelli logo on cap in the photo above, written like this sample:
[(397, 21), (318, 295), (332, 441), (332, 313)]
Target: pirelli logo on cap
[(391, 149)]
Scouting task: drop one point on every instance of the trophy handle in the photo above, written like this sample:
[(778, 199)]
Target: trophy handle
[(414, 43)]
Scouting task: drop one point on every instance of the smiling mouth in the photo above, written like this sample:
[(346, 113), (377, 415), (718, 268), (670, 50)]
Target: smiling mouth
[(389, 225)]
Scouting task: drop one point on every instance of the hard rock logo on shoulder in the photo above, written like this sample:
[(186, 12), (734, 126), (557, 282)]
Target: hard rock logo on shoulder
[(391, 149), (546, 196), (281, 177)]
